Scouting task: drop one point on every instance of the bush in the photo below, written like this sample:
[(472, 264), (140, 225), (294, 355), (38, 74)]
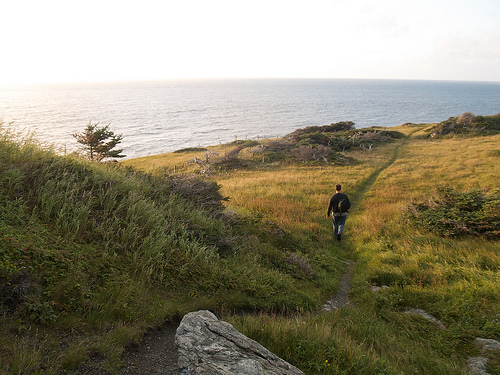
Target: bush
[(466, 118), (198, 190), (454, 214), (231, 161), (343, 140), (278, 145)]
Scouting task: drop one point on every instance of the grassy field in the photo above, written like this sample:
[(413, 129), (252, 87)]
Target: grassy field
[(109, 252)]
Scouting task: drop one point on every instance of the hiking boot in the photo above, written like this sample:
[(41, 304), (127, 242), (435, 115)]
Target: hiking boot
[(339, 237)]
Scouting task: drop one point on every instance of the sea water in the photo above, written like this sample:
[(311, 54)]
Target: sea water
[(163, 116)]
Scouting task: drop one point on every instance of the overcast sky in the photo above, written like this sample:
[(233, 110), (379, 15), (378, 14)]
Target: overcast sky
[(47, 41)]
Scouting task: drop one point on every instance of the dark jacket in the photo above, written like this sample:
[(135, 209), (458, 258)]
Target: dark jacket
[(334, 203)]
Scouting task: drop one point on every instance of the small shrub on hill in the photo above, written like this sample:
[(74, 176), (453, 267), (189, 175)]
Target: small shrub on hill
[(244, 143), (230, 160), (279, 145), (274, 151), (213, 162), (455, 213), (202, 192), (466, 119)]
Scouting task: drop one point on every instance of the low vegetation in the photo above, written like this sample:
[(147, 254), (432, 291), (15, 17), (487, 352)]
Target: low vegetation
[(454, 213), (467, 124), (92, 255), (314, 145)]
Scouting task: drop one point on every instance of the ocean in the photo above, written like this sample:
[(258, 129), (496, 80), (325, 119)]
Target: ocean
[(164, 116)]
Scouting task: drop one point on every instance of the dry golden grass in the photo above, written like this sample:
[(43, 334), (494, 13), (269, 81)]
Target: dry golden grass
[(465, 163), (296, 198), (171, 160)]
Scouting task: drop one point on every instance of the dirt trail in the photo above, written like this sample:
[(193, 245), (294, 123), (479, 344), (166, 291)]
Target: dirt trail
[(370, 181), (156, 354), (341, 298)]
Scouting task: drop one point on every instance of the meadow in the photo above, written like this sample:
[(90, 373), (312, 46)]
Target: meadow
[(105, 252)]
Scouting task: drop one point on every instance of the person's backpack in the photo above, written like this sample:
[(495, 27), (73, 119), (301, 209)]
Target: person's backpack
[(344, 205)]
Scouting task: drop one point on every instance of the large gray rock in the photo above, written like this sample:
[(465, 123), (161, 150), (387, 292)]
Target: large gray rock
[(208, 346)]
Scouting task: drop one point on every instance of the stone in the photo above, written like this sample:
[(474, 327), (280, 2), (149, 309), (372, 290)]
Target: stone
[(208, 346), (477, 366), (487, 345), (426, 315)]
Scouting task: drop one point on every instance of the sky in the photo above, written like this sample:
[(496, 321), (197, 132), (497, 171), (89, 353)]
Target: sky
[(72, 41)]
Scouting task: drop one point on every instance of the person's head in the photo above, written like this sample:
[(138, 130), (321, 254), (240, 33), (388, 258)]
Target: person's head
[(338, 187)]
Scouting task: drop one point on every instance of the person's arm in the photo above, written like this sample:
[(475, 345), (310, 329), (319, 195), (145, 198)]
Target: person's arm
[(330, 207)]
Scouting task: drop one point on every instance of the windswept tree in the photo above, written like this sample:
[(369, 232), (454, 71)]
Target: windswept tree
[(99, 142)]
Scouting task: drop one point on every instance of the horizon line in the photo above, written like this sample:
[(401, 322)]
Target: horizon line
[(152, 80)]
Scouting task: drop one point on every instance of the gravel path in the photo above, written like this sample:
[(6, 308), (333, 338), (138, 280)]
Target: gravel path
[(156, 354)]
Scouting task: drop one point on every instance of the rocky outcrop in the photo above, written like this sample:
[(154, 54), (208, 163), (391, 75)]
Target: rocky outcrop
[(477, 365), (209, 346)]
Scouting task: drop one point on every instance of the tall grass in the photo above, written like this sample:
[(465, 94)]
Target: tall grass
[(351, 341), (296, 198)]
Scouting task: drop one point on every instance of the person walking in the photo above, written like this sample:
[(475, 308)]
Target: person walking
[(338, 207)]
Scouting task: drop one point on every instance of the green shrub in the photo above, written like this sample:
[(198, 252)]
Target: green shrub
[(455, 213)]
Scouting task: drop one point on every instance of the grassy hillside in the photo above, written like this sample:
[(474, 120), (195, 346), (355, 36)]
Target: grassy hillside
[(93, 255)]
